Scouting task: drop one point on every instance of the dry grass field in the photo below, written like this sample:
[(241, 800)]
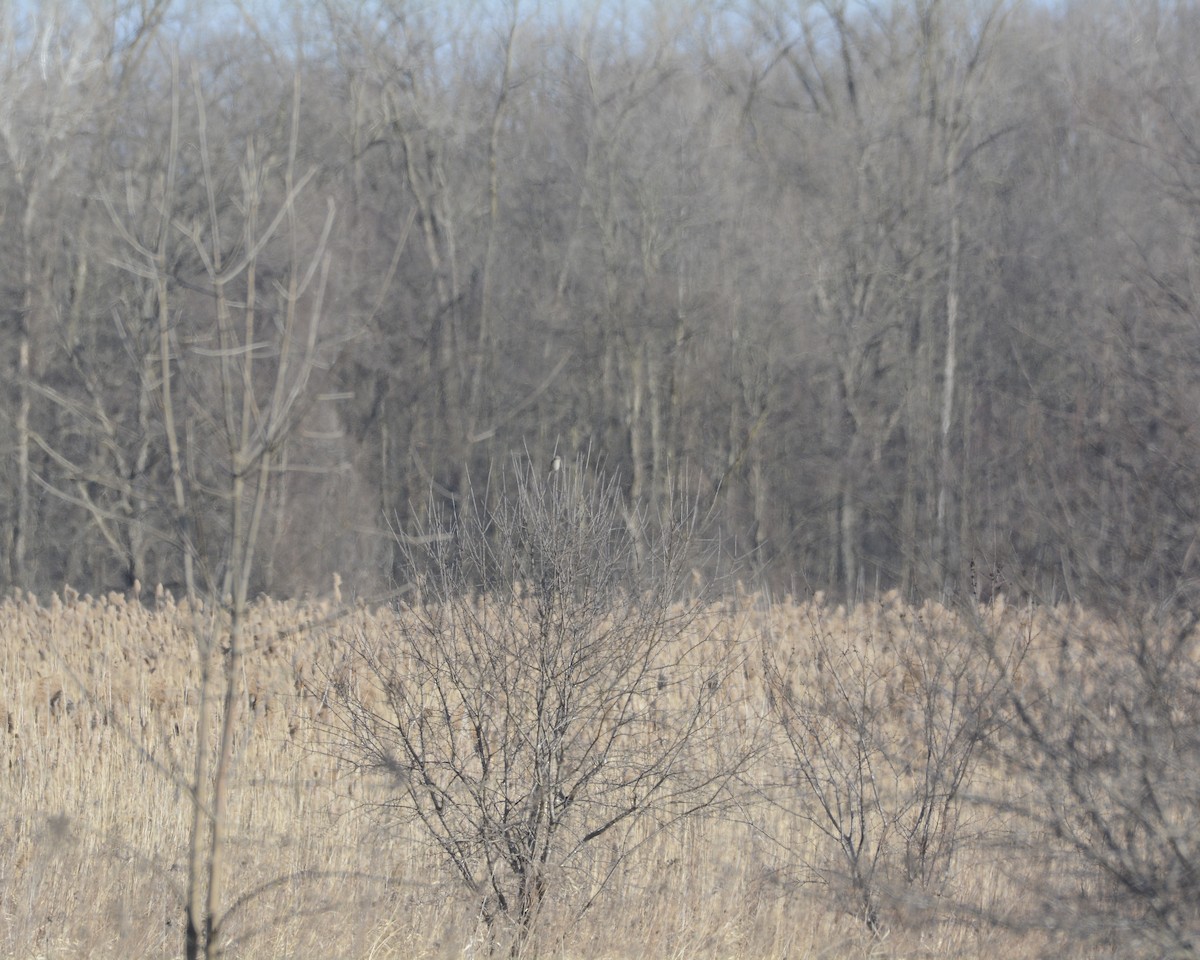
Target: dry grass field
[(98, 719)]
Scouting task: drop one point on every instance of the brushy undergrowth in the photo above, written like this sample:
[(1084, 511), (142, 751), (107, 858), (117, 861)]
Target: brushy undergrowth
[(98, 720)]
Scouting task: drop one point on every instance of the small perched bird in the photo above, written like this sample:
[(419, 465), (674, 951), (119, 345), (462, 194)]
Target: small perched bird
[(556, 464)]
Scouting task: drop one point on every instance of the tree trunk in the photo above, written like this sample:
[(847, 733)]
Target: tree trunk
[(21, 513), (945, 554)]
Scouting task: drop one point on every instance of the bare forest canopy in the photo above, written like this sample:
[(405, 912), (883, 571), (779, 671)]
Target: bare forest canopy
[(903, 294)]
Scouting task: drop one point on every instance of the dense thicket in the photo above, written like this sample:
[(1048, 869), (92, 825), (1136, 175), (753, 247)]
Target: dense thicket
[(907, 291)]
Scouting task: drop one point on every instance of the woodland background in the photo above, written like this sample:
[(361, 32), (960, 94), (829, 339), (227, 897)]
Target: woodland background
[(903, 293)]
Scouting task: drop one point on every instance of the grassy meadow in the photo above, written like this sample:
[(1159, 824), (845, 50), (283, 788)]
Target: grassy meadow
[(99, 715)]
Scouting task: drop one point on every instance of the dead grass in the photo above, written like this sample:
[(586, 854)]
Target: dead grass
[(98, 719)]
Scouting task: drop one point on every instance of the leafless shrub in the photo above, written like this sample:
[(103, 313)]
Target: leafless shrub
[(882, 723), (550, 689), (1103, 756)]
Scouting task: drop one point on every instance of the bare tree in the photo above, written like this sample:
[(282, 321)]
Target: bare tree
[(1101, 759), (232, 376), (545, 691), (884, 727), (62, 74)]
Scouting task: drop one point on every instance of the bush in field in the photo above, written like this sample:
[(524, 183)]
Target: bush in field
[(1105, 745), (882, 726), (549, 688)]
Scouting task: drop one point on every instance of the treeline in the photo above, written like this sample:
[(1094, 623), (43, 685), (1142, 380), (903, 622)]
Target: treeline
[(905, 294)]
